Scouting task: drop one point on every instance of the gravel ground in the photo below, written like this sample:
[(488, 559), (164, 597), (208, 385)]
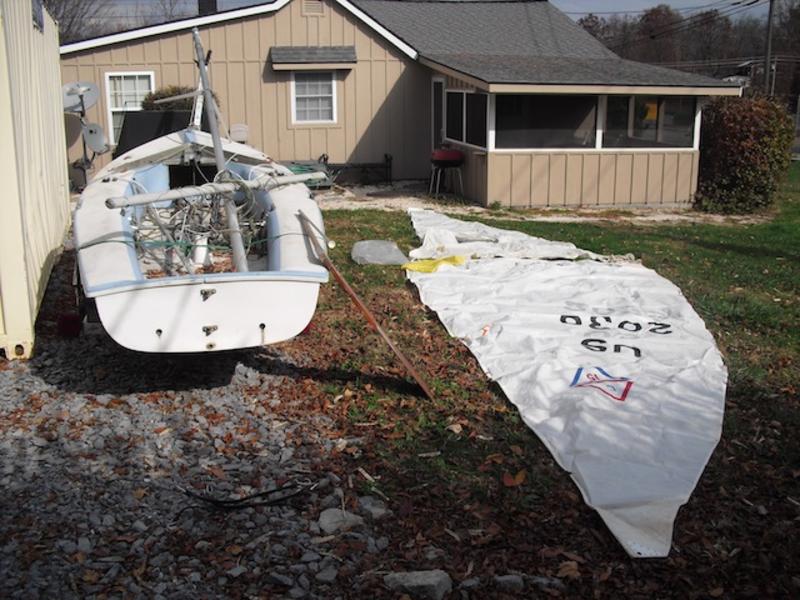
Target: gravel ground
[(98, 444)]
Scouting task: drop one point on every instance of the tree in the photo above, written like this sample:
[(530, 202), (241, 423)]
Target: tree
[(595, 25), (77, 19), (657, 34), (708, 35)]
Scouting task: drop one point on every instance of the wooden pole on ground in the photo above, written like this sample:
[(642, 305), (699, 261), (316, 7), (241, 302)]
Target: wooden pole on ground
[(323, 256)]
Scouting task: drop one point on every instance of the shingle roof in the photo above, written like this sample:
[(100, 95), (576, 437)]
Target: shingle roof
[(515, 41), (569, 70), (313, 54)]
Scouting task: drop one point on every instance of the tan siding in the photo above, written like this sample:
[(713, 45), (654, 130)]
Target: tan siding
[(558, 180), (540, 175), (639, 182), (520, 181), (655, 178), (383, 103), (451, 83), (499, 184), (623, 180), (34, 210), (695, 174), (591, 180), (669, 191), (685, 163), (574, 179), (540, 179)]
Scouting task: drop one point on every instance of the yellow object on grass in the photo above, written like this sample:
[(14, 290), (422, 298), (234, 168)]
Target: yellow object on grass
[(431, 265)]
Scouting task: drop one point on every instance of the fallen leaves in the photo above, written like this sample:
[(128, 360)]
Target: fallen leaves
[(517, 480), (569, 569), (216, 472)]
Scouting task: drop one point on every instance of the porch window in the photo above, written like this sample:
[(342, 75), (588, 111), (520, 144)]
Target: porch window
[(649, 122), (544, 121), (124, 93), (476, 119), (455, 116), (314, 97), (466, 118)]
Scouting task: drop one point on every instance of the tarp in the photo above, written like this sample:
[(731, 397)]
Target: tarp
[(605, 359)]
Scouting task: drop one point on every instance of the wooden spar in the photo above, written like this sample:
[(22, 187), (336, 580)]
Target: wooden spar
[(210, 189), (308, 228)]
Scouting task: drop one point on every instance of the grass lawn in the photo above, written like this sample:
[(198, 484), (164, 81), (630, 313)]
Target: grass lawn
[(442, 463)]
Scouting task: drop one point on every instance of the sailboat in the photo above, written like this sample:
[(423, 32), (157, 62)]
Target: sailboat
[(222, 264)]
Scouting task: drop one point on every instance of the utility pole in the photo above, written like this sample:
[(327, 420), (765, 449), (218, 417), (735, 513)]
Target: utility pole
[(768, 51)]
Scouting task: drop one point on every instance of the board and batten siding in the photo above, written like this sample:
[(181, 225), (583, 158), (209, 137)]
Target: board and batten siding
[(588, 179), (34, 206), (383, 102)]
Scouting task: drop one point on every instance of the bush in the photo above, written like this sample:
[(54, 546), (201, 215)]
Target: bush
[(149, 102), (745, 147)]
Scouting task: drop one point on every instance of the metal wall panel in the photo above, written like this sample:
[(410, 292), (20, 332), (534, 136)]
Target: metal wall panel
[(34, 208)]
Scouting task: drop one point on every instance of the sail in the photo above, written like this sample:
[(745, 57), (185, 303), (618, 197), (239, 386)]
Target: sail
[(605, 360)]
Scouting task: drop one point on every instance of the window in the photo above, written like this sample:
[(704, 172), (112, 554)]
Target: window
[(124, 93), (677, 126), (543, 121), (455, 116), (314, 97), (649, 122), (476, 119), (466, 118)]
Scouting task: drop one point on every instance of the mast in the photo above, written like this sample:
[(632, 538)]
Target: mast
[(210, 106)]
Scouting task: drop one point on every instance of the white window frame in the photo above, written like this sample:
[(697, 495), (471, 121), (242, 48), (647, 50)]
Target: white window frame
[(489, 130), (109, 110), (293, 99), (434, 80)]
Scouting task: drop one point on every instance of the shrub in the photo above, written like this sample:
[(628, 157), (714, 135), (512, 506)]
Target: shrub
[(745, 149), (149, 102)]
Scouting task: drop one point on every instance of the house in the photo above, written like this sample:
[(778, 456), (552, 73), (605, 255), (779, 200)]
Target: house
[(545, 114), (34, 206)]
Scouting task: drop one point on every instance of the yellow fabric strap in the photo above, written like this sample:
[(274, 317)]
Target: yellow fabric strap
[(431, 265)]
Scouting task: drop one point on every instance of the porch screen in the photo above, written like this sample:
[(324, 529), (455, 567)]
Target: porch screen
[(649, 122), (476, 119), (542, 121), (455, 116)]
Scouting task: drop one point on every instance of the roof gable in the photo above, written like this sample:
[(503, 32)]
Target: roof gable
[(229, 15)]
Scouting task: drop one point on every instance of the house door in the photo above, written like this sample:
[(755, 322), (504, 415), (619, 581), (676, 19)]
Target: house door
[(437, 123)]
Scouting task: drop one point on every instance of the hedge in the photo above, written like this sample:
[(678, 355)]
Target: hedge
[(745, 151), (149, 102)]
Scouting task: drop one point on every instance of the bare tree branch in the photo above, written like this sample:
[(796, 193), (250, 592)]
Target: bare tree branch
[(77, 18)]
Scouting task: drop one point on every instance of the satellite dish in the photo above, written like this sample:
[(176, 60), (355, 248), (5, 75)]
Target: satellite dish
[(73, 92), (95, 138)]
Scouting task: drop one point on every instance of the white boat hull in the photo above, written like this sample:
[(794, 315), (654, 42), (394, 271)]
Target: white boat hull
[(195, 311), (208, 316)]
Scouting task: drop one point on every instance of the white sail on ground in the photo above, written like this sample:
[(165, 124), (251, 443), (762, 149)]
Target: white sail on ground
[(605, 359)]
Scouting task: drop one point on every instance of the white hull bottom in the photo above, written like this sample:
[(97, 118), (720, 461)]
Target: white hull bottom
[(204, 316)]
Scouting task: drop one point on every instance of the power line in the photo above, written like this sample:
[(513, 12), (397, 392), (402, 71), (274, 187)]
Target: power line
[(692, 22), (639, 12)]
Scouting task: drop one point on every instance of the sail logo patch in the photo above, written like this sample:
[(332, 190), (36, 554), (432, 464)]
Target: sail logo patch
[(616, 388)]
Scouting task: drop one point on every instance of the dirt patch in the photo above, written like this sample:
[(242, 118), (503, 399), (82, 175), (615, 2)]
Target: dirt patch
[(403, 195)]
